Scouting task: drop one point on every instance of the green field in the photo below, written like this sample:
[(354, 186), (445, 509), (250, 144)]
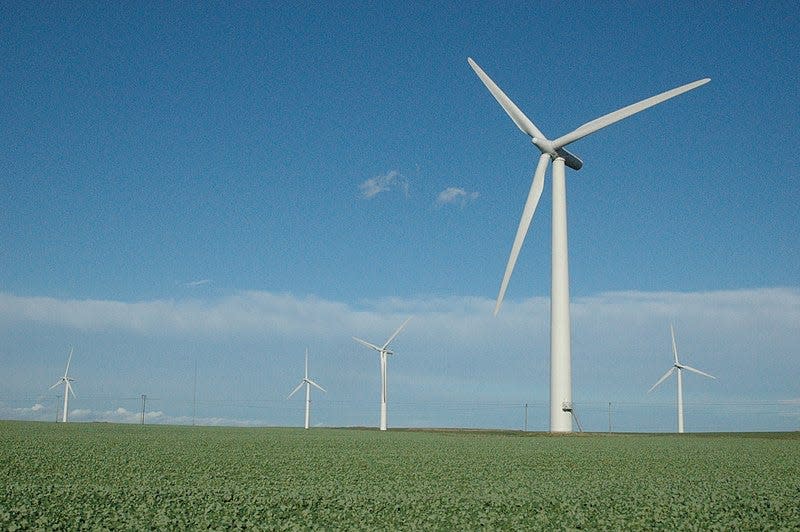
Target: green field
[(73, 476)]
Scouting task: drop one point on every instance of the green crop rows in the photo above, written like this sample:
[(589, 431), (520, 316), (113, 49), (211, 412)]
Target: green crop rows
[(74, 476)]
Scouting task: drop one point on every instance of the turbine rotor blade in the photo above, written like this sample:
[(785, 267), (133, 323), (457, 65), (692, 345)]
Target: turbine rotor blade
[(519, 118), (703, 373), (662, 379), (674, 346), (527, 215), (56, 384), (314, 384), (364, 342), (69, 387), (393, 336), (606, 120), (295, 390), (68, 361)]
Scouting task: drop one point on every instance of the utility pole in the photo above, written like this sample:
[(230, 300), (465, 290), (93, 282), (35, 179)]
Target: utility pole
[(144, 402), (526, 417), (194, 393)]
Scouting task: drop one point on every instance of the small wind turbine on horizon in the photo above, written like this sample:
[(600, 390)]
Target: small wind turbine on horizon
[(384, 352), (308, 384), (560, 356), (66, 380), (680, 367)]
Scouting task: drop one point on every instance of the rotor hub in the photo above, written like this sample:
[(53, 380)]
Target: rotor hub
[(545, 146)]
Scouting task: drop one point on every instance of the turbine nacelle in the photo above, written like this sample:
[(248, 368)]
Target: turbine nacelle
[(314, 384), (572, 161), (548, 147)]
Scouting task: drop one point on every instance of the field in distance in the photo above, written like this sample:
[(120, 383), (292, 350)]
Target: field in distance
[(82, 475)]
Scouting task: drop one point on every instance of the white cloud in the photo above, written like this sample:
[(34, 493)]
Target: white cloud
[(79, 413), (266, 313), (157, 417), (455, 195), (201, 282), (38, 407), (39, 412), (453, 351), (383, 183), (250, 312)]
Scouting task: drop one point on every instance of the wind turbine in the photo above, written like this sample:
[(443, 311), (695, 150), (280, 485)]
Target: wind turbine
[(384, 351), (66, 380), (309, 383), (680, 367), (560, 361)]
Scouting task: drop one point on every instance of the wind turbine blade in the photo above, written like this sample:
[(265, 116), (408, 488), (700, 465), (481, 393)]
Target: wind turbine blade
[(527, 215), (393, 336), (606, 120), (663, 377), (295, 390), (68, 361), (69, 387), (674, 345), (519, 118), (314, 384), (306, 374), (364, 342), (703, 373), (56, 384)]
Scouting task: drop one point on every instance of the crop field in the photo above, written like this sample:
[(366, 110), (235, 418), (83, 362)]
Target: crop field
[(74, 476)]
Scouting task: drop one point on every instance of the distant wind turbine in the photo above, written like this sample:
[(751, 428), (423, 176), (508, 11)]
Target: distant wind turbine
[(384, 353), (560, 357), (680, 367), (308, 383), (66, 380)]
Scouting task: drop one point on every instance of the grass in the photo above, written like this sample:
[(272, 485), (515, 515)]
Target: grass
[(74, 476)]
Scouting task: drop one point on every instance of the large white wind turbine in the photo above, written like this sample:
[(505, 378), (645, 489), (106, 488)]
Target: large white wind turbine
[(560, 362), (384, 353), (308, 383), (66, 380), (680, 367)]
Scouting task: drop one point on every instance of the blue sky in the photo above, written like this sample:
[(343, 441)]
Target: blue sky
[(232, 184)]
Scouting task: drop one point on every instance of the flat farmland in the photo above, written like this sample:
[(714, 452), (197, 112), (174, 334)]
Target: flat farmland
[(86, 476)]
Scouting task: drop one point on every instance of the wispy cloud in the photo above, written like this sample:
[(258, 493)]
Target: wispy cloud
[(39, 412), (455, 195), (38, 407), (267, 313), (159, 417), (392, 180), (244, 312), (454, 349), (201, 282)]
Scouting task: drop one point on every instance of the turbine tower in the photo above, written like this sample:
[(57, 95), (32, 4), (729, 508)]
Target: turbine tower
[(680, 367), (560, 358), (384, 353), (66, 380), (308, 383)]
